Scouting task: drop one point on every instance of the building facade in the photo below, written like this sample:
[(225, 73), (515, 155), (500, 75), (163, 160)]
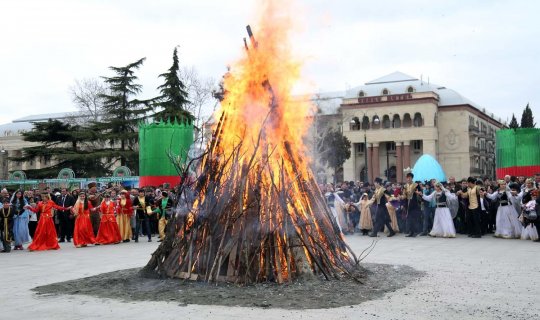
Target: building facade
[(393, 120)]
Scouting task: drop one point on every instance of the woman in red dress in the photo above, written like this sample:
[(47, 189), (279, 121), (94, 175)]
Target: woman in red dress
[(45, 237), (83, 234), (108, 228)]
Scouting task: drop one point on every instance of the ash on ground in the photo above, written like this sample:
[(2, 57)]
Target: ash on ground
[(129, 285)]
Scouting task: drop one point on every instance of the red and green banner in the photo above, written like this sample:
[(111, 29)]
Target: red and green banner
[(157, 142), (518, 152)]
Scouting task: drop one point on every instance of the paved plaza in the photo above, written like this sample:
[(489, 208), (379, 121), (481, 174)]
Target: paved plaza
[(465, 278)]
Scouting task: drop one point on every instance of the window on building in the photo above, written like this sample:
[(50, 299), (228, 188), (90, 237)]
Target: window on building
[(390, 146), (361, 93), (396, 122), (360, 148), (365, 123), (418, 122), (410, 89), (386, 121), (417, 145), (385, 92), (407, 122)]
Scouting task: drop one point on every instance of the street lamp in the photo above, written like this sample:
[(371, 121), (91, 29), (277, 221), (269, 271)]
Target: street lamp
[(364, 125)]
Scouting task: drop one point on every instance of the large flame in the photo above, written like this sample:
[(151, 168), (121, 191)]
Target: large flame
[(258, 214)]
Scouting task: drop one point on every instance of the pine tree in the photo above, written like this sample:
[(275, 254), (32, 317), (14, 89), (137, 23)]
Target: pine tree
[(513, 123), (174, 96), (122, 113), (527, 119), (63, 144)]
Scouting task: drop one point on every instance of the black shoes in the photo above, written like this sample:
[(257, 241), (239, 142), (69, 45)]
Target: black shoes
[(423, 234), (411, 235), (476, 236), (391, 234)]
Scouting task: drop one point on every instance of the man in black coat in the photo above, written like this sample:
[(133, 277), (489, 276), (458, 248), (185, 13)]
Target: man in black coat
[(65, 199)]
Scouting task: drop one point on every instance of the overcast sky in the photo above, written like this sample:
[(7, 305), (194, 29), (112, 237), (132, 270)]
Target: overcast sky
[(489, 51)]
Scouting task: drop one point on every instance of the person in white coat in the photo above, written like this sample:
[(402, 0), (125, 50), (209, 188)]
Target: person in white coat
[(507, 225)]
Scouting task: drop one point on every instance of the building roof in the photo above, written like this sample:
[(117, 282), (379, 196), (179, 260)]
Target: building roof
[(18, 126), (398, 83), (45, 116)]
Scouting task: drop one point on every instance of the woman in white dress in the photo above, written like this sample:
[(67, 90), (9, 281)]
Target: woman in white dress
[(443, 225), (507, 225)]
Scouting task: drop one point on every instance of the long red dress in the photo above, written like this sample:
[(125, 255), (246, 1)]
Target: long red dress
[(83, 234), (108, 228), (45, 237)]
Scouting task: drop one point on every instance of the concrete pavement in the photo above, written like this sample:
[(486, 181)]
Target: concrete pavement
[(466, 278)]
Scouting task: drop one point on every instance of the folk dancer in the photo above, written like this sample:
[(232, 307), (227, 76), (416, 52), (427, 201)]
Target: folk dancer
[(507, 225), (124, 210), (83, 234), (163, 206), (21, 217), (6, 225), (108, 228), (382, 218), (443, 224), (142, 205), (473, 210), (412, 205), (45, 237)]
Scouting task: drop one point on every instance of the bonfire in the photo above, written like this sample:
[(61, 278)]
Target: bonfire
[(255, 213)]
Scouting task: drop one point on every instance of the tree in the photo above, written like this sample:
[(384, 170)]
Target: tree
[(122, 113), (174, 97), (527, 119), (513, 123), (87, 95), (334, 149), (62, 144)]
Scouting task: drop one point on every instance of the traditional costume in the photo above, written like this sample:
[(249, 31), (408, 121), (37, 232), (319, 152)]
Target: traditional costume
[(382, 217), (108, 229), (507, 224), (473, 209), (124, 210), (366, 223), (443, 224), (83, 234), (163, 206), (21, 233), (142, 208), (45, 237), (529, 216), (412, 206), (6, 226), (393, 216)]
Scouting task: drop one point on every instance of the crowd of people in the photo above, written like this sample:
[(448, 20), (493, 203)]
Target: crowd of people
[(507, 208), (87, 216)]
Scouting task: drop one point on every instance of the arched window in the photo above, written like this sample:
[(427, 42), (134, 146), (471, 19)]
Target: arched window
[(418, 122), (376, 122), (410, 89), (386, 121), (407, 122), (396, 121), (365, 123), (385, 92), (361, 93)]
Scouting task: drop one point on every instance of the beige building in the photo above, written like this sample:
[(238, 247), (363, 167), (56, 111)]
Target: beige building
[(12, 143), (400, 118)]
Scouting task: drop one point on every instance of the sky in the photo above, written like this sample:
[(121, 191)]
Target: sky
[(489, 51)]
